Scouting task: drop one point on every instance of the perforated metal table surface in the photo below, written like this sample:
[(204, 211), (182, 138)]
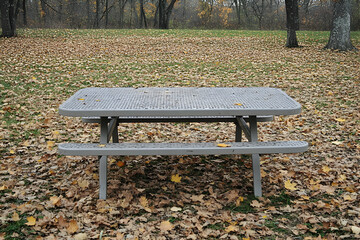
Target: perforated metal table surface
[(179, 102)]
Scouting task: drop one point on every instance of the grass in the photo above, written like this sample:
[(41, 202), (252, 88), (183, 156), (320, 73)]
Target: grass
[(46, 66)]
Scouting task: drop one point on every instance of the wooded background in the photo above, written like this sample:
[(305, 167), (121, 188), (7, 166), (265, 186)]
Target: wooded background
[(229, 14)]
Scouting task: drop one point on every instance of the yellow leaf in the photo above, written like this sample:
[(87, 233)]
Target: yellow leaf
[(31, 221), (12, 151), (166, 226), (144, 202), (73, 227), (326, 169), (50, 144), (290, 186), (102, 145), (81, 99), (232, 228), (176, 178), (15, 217), (223, 145), (3, 187), (238, 104), (340, 119)]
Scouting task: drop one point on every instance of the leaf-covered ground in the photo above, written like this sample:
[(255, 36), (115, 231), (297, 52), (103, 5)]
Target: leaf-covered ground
[(313, 195)]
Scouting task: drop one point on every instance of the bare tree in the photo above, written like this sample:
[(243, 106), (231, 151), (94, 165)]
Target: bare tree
[(340, 30), (164, 12), (8, 18)]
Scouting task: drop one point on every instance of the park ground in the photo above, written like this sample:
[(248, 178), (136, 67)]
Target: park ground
[(311, 195)]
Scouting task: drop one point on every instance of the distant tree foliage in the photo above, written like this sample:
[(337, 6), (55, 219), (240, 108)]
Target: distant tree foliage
[(230, 14)]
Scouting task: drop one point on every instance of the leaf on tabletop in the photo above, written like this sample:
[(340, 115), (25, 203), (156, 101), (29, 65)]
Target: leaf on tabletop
[(238, 104), (176, 178)]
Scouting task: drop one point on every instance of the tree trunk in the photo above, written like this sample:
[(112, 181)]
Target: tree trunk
[(8, 26), (292, 22), (24, 13), (237, 8), (142, 15), (165, 13), (97, 14), (340, 30)]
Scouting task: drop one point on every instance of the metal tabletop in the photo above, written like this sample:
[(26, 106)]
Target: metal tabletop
[(180, 101)]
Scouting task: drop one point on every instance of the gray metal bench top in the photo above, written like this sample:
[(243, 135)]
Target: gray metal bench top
[(243, 106)]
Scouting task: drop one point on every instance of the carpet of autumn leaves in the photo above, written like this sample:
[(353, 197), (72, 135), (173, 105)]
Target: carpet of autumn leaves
[(312, 195)]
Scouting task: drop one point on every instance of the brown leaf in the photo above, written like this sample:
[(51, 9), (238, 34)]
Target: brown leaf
[(73, 227)]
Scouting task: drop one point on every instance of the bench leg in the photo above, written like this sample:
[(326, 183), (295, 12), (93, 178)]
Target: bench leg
[(104, 138), (103, 176), (255, 158), (238, 132)]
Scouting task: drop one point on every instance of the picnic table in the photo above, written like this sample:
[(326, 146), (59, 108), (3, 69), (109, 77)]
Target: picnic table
[(245, 107)]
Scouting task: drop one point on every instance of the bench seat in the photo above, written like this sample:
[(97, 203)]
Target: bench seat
[(206, 148)]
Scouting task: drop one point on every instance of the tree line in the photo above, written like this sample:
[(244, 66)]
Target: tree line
[(230, 14)]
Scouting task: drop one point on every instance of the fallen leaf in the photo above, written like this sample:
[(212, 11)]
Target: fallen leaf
[(31, 221), (355, 229), (238, 104), (15, 217), (55, 200), (326, 169), (176, 178), (290, 186), (340, 119), (83, 183), (120, 163), (81, 236), (256, 203), (166, 226), (176, 209), (50, 144), (231, 228), (73, 227)]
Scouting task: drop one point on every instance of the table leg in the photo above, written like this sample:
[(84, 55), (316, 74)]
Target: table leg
[(238, 132), (255, 158), (103, 159)]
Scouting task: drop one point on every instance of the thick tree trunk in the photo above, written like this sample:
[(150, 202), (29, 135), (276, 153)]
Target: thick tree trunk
[(340, 30), (165, 13), (8, 26), (292, 22), (291, 39)]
